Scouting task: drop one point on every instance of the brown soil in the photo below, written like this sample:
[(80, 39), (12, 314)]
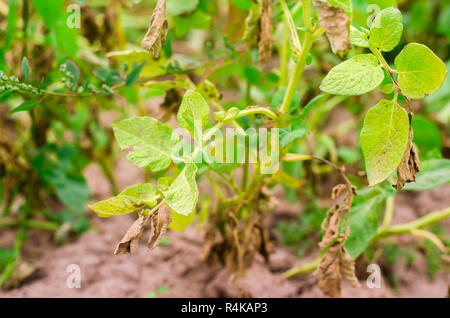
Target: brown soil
[(177, 264)]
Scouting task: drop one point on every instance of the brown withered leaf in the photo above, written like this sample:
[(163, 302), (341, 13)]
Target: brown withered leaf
[(335, 22), (348, 267), (156, 34), (335, 259), (265, 34), (158, 226), (409, 166), (131, 239), (329, 271)]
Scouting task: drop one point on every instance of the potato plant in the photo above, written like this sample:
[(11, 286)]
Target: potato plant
[(245, 153)]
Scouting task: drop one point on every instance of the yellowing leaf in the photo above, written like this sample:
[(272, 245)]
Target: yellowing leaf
[(356, 76), (384, 137), (358, 38), (152, 67), (420, 71), (193, 113), (386, 29), (182, 194), (131, 199), (180, 222), (147, 142)]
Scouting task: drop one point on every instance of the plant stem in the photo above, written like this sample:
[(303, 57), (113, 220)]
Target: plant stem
[(284, 58), (35, 224), (299, 67), (406, 228), (388, 213), (303, 269), (257, 110)]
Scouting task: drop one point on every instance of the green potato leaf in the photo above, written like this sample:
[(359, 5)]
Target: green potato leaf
[(384, 137), (363, 223), (193, 111), (420, 71), (182, 194), (386, 29), (356, 76), (147, 142)]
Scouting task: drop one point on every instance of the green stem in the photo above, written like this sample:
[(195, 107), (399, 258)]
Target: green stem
[(299, 67), (257, 110), (284, 58), (406, 228), (34, 224), (302, 269), (388, 213)]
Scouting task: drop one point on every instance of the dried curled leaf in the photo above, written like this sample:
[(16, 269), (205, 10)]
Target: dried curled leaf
[(158, 226), (265, 35), (335, 258), (329, 271), (156, 34), (348, 267), (131, 239), (409, 166), (336, 23)]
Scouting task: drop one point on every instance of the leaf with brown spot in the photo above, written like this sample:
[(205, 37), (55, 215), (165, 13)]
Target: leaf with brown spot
[(336, 24), (156, 34), (131, 239), (158, 226), (265, 35), (409, 165)]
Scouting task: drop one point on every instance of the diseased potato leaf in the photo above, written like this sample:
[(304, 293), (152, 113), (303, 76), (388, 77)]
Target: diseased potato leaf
[(156, 34), (334, 18), (131, 239), (384, 137), (129, 200), (420, 71), (158, 226), (147, 142), (356, 76)]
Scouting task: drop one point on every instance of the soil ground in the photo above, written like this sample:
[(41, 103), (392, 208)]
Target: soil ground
[(177, 264)]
